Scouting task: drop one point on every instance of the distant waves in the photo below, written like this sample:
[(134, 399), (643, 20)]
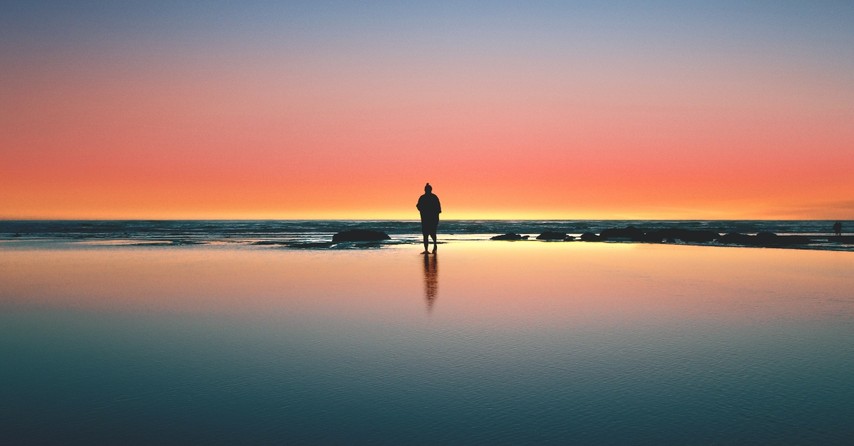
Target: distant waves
[(318, 234)]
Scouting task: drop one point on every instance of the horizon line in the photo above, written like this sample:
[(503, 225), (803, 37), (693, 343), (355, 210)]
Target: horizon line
[(415, 220)]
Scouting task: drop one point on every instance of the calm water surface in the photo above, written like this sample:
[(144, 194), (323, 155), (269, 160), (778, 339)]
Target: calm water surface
[(484, 343)]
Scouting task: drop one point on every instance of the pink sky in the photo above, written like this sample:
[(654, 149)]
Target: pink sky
[(517, 114)]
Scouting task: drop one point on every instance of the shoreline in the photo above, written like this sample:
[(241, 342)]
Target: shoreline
[(331, 234), (394, 243)]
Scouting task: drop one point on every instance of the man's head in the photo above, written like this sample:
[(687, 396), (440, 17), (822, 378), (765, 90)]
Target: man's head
[(428, 188)]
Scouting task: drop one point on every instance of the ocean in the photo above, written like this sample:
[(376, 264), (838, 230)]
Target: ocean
[(317, 234), (265, 332)]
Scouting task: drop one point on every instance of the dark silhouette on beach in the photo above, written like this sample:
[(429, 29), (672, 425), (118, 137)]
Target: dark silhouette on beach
[(837, 228), (431, 280), (430, 208)]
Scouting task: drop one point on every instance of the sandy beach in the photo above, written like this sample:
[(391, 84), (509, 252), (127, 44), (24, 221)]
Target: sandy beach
[(482, 343)]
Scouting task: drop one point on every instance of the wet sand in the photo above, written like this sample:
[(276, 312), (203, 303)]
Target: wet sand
[(482, 343)]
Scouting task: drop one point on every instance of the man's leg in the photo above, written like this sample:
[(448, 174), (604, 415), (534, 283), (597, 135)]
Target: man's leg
[(426, 243)]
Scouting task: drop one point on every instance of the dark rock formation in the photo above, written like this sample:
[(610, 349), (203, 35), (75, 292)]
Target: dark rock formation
[(552, 235), (590, 237), (359, 235), (771, 239), (657, 237), (670, 235), (735, 238), (510, 236), (309, 245), (764, 239), (630, 233), (698, 236), (845, 239), (794, 240)]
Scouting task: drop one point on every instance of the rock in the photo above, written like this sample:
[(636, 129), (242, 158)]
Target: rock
[(590, 237), (771, 239), (698, 236), (794, 239), (766, 238), (735, 238), (630, 233), (509, 236), (845, 239), (359, 235), (552, 235), (569, 238), (670, 235), (658, 237)]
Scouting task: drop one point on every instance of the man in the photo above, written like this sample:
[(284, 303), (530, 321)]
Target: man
[(837, 228), (430, 208)]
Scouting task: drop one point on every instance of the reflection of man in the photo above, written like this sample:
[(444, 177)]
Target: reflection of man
[(431, 279), (430, 209)]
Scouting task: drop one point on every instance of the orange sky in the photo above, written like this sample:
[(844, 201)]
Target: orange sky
[(344, 117)]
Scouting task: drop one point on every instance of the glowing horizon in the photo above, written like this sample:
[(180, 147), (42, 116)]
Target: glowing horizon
[(299, 111)]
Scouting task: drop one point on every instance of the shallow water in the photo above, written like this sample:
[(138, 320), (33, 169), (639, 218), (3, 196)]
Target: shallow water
[(483, 343), (317, 234)]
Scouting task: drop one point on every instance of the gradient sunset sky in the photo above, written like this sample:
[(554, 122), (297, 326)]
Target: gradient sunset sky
[(328, 109)]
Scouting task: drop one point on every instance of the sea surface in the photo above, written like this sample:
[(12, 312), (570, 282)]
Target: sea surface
[(317, 234), (105, 339)]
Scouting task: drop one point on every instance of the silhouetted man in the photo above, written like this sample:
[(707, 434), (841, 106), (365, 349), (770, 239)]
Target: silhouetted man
[(430, 209), (837, 228)]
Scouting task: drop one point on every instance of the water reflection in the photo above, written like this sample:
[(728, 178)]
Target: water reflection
[(618, 342), (431, 279)]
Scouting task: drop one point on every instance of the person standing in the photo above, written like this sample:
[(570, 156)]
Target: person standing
[(837, 228), (430, 208)]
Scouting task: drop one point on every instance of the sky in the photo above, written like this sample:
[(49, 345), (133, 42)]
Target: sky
[(328, 109)]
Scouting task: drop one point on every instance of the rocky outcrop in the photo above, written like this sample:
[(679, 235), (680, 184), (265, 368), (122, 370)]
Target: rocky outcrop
[(671, 235), (786, 240), (845, 239), (359, 235), (629, 234), (764, 239), (552, 235), (688, 236), (509, 236), (734, 238), (697, 236)]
